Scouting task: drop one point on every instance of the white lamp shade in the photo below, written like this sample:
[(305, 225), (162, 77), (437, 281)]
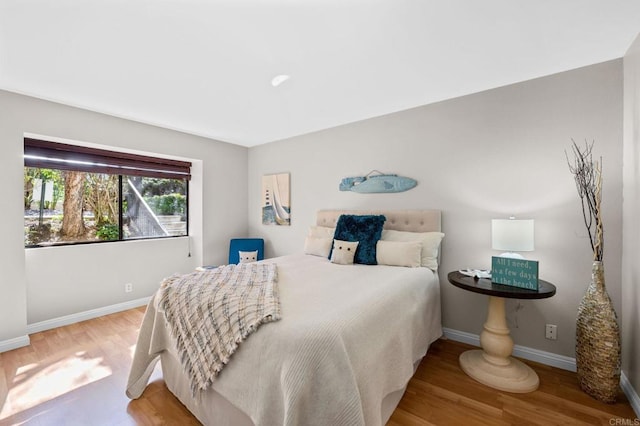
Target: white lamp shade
[(512, 234)]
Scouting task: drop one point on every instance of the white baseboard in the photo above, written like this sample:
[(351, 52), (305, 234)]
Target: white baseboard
[(631, 393), (546, 358), (15, 343), (86, 315)]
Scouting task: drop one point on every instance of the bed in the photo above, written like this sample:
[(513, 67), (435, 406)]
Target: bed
[(348, 342)]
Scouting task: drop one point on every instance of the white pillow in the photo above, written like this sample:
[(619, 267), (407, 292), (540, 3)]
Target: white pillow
[(248, 256), (399, 253), (321, 232), (430, 244), (343, 252), (318, 246)]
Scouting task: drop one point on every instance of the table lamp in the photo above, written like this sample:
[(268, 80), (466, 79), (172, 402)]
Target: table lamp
[(512, 235)]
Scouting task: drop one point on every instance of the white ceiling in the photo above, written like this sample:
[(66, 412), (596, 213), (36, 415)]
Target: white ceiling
[(205, 67)]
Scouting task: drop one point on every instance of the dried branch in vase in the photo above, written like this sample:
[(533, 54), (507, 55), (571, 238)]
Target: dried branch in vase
[(588, 177)]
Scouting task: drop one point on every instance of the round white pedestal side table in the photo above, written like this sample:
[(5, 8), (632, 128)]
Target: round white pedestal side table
[(493, 365)]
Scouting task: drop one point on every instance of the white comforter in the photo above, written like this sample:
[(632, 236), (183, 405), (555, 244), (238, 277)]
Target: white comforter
[(348, 337)]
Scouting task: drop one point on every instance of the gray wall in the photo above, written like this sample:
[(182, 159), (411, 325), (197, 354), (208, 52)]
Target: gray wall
[(631, 213), (478, 157), (483, 156), (47, 283)]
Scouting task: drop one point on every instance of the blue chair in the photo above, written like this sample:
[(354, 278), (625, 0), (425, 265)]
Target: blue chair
[(245, 244)]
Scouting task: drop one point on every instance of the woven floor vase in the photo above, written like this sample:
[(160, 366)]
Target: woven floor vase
[(598, 341)]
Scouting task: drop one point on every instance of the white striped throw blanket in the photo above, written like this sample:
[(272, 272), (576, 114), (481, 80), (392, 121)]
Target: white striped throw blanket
[(212, 311)]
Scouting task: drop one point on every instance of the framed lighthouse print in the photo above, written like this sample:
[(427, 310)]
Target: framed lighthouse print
[(276, 205)]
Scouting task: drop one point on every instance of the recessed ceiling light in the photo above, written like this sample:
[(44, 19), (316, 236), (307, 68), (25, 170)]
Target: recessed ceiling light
[(279, 79)]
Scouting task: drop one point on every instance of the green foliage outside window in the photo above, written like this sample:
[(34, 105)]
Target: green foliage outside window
[(169, 204), (156, 186), (47, 175), (108, 232)]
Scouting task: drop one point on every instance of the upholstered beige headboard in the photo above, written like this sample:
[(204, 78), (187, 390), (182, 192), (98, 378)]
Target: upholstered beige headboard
[(399, 220)]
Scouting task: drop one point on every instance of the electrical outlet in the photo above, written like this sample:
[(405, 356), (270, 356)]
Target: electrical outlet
[(128, 288), (551, 331)]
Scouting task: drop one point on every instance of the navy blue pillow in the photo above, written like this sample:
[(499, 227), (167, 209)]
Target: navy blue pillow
[(366, 229)]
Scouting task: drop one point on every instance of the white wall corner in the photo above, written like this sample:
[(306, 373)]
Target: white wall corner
[(631, 393), (86, 315), (546, 358), (15, 343)]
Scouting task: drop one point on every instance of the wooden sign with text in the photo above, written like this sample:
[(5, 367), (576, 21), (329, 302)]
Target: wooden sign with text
[(515, 272)]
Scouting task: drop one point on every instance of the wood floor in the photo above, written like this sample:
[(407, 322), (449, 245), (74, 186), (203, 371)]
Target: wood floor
[(76, 375)]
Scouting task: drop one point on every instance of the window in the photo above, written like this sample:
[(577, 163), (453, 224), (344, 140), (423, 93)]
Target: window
[(75, 194)]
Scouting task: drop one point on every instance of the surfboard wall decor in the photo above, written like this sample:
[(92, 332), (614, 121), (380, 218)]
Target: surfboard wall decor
[(377, 183)]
